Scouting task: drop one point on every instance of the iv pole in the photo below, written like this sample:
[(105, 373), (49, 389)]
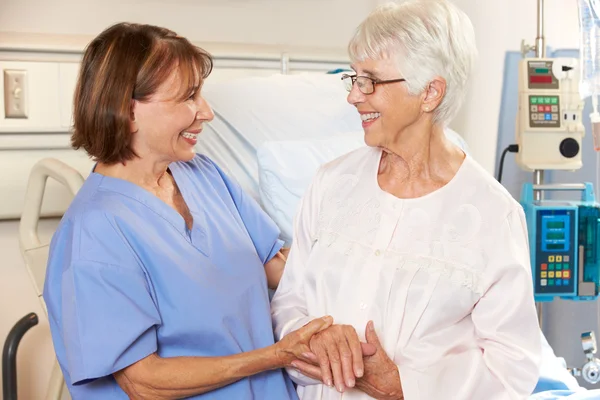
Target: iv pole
[(540, 52)]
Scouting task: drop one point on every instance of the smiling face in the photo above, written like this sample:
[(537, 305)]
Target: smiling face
[(166, 126), (390, 109)]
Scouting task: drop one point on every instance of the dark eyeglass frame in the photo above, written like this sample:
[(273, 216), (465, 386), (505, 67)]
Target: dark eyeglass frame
[(374, 81)]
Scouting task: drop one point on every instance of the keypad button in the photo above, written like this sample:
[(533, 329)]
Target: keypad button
[(544, 267), (551, 266), (544, 274), (554, 117), (566, 274), (558, 282), (534, 108), (554, 109), (565, 282), (533, 100), (543, 282), (566, 258), (558, 258), (551, 274), (559, 274), (550, 258), (550, 282), (534, 117)]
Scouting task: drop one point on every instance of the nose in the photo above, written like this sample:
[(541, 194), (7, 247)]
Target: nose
[(204, 110), (355, 96)]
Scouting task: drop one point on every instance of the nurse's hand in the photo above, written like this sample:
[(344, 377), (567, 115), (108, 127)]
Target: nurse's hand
[(295, 345), (339, 352)]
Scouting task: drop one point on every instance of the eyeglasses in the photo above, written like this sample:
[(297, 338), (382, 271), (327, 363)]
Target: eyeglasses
[(365, 84)]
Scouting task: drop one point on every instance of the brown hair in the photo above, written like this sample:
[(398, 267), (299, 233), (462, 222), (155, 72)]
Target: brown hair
[(128, 62)]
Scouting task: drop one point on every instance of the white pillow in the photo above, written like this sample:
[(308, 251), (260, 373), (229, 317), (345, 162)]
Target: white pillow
[(286, 168), (252, 110)]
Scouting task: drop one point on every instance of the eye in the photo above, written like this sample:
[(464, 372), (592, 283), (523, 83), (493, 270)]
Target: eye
[(192, 95)]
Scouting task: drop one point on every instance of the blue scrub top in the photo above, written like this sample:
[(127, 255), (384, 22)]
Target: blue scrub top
[(126, 278)]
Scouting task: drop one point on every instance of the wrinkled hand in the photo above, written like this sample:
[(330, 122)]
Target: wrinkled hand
[(292, 346), (380, 380), (338, 353)]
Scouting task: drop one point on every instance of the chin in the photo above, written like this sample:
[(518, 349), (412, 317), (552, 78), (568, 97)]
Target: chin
[(372, 139), (187, 156)]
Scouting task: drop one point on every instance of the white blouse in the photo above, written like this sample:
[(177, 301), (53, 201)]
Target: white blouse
[(445, 278)]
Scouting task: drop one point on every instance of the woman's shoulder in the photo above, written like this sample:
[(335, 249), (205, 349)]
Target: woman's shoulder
[(479, 188)]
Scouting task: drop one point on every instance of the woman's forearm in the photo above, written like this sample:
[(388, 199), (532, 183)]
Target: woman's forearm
[(174, 378), (274, 268), (159, 378)]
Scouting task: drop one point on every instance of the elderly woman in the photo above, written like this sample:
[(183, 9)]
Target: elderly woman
[(157, 277), (408, 243)]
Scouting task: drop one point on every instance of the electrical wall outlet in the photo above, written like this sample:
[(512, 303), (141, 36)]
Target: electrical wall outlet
[(15, 93)]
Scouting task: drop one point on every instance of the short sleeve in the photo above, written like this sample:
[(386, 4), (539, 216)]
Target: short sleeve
[(261, 228), (108, 319)]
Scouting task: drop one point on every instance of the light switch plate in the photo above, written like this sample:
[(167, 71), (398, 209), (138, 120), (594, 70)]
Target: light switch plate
[(15, 93)]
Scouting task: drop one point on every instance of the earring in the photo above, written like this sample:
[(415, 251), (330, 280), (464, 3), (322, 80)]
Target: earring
[(426, 108), (198, 116)]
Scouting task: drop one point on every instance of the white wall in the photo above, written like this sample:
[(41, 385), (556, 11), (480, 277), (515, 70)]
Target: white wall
[(323, 23)]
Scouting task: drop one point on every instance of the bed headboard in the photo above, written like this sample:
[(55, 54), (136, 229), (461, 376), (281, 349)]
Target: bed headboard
[(52, 64)]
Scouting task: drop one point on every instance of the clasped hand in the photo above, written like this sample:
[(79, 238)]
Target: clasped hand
[(337, 356)]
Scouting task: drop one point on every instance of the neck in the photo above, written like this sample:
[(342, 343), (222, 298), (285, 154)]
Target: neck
[(143, 172), (420, 152)]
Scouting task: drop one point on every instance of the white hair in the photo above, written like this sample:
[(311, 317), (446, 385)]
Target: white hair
[(428, 38)]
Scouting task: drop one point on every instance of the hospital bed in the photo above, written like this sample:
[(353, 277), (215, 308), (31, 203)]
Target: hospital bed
[(272, 148)]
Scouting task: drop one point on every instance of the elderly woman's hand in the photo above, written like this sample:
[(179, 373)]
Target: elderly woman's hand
[(380, 379), (295, 346)]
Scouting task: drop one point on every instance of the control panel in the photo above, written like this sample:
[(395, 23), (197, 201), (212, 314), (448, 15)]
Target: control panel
[(555, 253), (549, 128)]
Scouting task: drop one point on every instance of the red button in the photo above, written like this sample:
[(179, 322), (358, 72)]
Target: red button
[(544, 267)]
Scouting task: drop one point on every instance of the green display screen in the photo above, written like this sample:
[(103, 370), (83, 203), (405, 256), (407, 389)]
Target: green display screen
[(555, 235), (555, 246), (555, 225)]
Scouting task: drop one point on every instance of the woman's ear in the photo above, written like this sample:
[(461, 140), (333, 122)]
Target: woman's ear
[(434, 94), (132, 121)]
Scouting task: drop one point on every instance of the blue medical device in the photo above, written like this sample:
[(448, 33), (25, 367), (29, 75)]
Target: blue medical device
[(564, 243)]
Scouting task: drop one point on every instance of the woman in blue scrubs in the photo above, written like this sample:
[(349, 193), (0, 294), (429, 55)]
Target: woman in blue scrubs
[(157, 278)]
